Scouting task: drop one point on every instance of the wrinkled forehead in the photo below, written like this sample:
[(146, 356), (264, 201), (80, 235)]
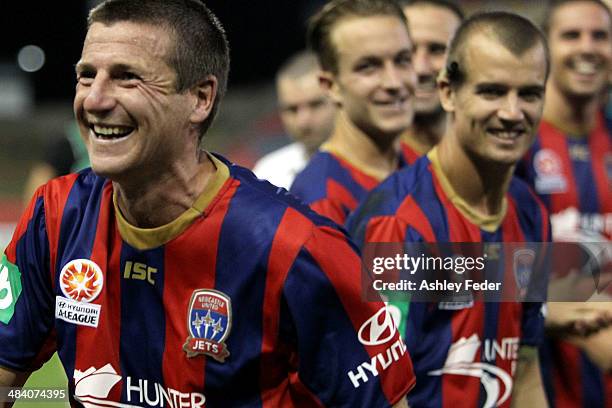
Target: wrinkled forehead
[(129, 37)]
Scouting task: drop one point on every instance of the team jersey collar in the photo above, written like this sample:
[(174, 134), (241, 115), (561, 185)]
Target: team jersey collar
[(489, 223), (148, 238)]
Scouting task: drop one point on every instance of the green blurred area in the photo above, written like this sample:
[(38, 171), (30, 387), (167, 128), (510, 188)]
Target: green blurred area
[(51, 375)]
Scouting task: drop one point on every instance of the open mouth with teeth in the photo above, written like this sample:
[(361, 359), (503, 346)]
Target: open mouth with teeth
[(583, 67), (111, 132), (505, 134)]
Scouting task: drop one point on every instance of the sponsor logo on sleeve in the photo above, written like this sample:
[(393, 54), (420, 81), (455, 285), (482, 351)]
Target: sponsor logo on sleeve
[(209, 321), (80, 281), (378, 330), (10, 289)]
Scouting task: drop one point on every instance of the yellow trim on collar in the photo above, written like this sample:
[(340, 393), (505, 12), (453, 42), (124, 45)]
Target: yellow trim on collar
[(489, 223), (149, 238)]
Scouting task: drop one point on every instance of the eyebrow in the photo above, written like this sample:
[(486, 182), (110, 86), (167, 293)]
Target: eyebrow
[(530, 87)]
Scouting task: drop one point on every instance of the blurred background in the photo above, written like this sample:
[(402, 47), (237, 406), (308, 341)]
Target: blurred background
[(41, 42)]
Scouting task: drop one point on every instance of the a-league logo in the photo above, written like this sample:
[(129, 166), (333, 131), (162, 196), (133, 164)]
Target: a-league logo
[(209, 321)]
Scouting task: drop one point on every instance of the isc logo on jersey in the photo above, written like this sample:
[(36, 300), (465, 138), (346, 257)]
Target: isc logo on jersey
[(10, 289), (378, 330), (81, 281)]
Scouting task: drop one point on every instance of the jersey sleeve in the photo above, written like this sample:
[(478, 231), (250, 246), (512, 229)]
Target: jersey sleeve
[(349, 352), (26, 297)]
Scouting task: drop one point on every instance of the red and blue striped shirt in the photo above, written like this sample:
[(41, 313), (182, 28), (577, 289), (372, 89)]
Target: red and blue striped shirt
[(247, 299), (464, 355)]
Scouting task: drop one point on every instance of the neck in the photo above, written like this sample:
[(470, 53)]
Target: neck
[(377, 156), (164, 196), (573, 115), (425, 132), (482, 185)]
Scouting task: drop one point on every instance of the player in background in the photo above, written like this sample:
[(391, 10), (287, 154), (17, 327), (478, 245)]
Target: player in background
[(569, 163), (463, 190), (308, 116), (365, 52), (432, 25), (168, 276), (570, 167), (64, 154)]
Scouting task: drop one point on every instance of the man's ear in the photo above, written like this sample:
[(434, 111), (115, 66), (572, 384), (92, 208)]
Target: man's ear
[(205, 94), (446, 92), (329, 83)]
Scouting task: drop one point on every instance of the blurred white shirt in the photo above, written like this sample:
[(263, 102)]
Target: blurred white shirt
[(282, 165)]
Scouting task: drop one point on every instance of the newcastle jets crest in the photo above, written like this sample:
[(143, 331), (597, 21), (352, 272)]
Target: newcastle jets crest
[(209, 322)]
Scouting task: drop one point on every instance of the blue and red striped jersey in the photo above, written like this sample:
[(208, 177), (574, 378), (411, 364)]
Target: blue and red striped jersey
[(572, 176), (247, 299), (573, 173), (408, 154), (332, 186), (463, 354), (571, 379)]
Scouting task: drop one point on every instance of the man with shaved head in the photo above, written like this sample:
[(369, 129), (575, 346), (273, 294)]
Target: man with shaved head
[(463, 190)]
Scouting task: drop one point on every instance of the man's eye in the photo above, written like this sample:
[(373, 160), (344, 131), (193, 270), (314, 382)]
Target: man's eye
[(404, 60), (491, 92), (85, 77), (128, 76), (570, 35), (531, 96), (437, 49)]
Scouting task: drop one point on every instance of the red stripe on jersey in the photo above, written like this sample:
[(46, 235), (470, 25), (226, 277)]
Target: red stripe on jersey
[(511, 227), (96, 347), (364, 180), (338, 198), (408, 153), (567, 390), (465, 323), (329, 209), (385, 228), (601, 149), (182, 254), (22, 227), (410, 212), (293, 230), (340, 270), (551, 138), (54, 211)]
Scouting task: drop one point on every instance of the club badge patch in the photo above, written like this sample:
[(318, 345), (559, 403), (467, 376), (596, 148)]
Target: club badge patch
[(523, 262), (209, 321), (549, 173)]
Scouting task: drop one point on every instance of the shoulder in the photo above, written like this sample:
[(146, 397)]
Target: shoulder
[(263, 208), (80, 187), (396, 202), (311, 181)]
